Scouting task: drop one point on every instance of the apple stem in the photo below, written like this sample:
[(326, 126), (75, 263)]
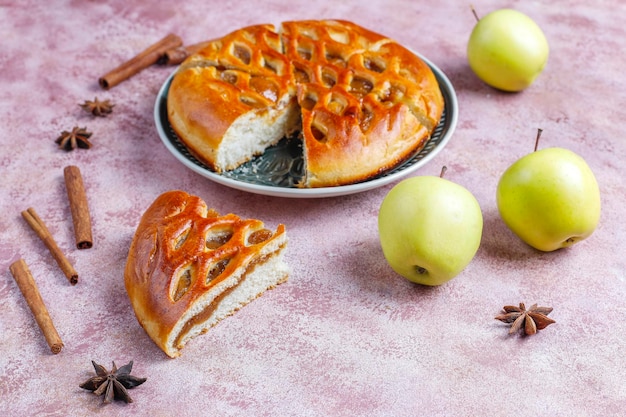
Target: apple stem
[(539, 131), (443, 171), (474, 12)]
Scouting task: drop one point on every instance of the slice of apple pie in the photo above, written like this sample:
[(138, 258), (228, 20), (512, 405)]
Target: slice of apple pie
[(188, 267)]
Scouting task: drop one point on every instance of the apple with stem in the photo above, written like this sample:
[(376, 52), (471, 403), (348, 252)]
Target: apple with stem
[(429, 228), (549, 198), (507, 50)]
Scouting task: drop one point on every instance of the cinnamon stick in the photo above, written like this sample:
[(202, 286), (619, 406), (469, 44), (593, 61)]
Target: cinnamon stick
[(144, 59), (177, 55), (44, 234), (28, 287), (78, 206)]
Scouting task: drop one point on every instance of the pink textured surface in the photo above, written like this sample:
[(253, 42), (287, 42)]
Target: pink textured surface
[(345, 336)]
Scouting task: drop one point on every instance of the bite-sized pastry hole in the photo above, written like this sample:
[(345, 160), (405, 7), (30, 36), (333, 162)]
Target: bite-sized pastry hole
[(366, 119), (309, 33), (318, 132), (216, 240), (351, 111), (265, 87), (229, 77), (270, 64), (309, 101), (300, 75), (335, 59), (216, 270), (392, 94), (329, 78), (259, 236), (337, 104), (181, 238), (337, 36), (374, 65), (305, 54), (360, 87), (249, 101), (242, 53), (182, 283)]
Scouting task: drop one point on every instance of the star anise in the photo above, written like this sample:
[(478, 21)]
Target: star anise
[(77, 138), (533, 319), (113, 384), (97, 107)]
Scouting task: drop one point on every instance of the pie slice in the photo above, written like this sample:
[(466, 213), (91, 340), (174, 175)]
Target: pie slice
[(188, 267)]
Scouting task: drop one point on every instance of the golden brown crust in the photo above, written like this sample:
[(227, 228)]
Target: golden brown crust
[(367, 102), (240, 73), (180, 252)]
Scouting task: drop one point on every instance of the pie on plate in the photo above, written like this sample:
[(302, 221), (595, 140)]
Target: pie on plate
[(362, 103)]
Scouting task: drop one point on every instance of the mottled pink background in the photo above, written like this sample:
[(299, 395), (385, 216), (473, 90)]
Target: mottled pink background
[(345, 336)]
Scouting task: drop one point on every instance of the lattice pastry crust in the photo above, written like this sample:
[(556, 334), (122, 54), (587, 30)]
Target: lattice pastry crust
[(362, 102), (188, 267)]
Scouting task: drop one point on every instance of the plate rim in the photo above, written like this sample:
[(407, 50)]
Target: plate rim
[(451, 106)]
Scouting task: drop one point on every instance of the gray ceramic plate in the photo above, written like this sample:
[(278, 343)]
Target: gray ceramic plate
[(276, 172)]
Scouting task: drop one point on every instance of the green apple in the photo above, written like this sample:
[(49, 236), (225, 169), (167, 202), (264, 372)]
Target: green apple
[(507, 50), (429, 229), (549, 198)]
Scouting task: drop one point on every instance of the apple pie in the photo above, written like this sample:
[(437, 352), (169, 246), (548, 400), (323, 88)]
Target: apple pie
[(361, 102), (189, 267)]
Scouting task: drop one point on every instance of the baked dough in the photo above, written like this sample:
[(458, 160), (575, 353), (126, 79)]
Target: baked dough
[(188, 267), (362, 102)]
